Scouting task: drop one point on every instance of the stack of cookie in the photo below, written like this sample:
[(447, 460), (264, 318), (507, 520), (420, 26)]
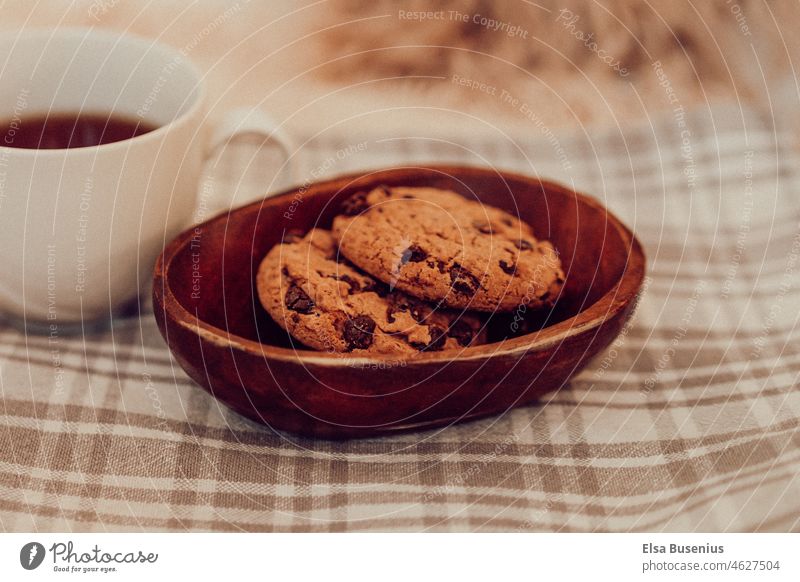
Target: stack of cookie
[(406, 270)]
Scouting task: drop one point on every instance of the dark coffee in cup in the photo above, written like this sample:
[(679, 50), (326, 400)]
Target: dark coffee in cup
[(69, 130)]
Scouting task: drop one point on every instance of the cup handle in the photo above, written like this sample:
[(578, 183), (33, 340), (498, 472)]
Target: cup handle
[(243, 122)]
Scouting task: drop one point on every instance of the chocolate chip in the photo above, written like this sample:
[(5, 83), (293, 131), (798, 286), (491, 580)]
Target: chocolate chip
[(395, 305), (483, 226), (358, 332), (438, 339), (462, 332), (297, 300), (354, 285), (441, 266), (413, 254), (381, 289), (463, 281), (523, 245), (415, 307), (356, 204), (508, 269), (292, 236)]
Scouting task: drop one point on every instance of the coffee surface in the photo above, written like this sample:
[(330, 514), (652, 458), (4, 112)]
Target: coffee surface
[(69, 130)]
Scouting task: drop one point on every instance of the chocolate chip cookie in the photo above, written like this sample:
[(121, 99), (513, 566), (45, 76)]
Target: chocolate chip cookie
[(329, 305), (439, 246)]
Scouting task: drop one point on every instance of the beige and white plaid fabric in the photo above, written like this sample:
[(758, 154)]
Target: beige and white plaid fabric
[(688, 423)]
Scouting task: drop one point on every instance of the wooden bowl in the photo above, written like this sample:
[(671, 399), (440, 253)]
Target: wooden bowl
[(209, 314)]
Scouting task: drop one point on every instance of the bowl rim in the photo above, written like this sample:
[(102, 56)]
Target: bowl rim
[(606, 307)]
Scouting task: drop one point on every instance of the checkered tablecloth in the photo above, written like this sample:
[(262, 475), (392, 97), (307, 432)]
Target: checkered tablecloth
[(689, 422)]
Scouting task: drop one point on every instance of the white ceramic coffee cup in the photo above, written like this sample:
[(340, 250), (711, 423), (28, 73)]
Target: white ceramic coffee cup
[(80, 228)]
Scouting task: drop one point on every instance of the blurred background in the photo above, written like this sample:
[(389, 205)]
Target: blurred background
[(679, 116), (316, 64)]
